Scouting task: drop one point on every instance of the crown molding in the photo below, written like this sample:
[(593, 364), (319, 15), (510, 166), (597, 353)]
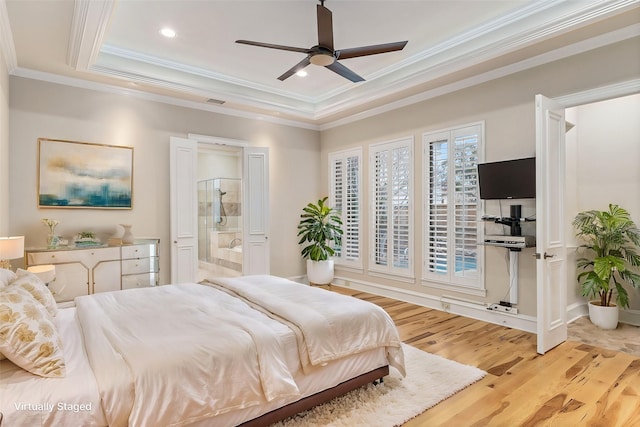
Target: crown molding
[(118, 90), (6, 39), (88, 29), (498, 37), (200, 72), (545, 58)]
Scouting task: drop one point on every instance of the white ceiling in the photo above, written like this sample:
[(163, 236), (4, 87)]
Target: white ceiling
[(451, 43)]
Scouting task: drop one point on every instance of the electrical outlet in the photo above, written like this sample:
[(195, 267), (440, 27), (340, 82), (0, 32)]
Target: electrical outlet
[(445, 306), (502, 309)]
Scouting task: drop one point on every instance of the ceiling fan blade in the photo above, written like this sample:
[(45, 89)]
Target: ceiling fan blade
[(325, 27), (299, 66), (274, 46), (375, 49), (338, 68)]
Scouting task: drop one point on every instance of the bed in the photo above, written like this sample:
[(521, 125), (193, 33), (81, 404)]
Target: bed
[(243, 351)]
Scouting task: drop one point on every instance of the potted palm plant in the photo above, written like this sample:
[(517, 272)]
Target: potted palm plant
[(320, 230), (611, 243)]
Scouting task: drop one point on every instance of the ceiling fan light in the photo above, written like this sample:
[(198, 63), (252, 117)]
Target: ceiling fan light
[(322, 59)]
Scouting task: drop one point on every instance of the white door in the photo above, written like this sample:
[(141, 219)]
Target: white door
[(183, 161), (256, 210), (550, 228)]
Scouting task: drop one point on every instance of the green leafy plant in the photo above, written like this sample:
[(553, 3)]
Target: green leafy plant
[(86, 235), (612, 240), (319, 226)]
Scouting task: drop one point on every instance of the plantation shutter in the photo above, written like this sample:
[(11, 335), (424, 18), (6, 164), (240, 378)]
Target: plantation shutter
[(465, 210), (337, 196), (437, 221), (381, 208), (392, 207), (351, 217), (451, 225), (345, 192)]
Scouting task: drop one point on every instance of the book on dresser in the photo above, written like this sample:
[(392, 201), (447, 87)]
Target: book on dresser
[(87, 270)]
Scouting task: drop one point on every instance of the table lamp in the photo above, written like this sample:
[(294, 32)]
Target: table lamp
[(46, 273), (10, 248)]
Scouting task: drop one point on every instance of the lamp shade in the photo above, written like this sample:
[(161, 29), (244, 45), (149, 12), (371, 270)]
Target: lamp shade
[(11, 247), (46, 273)]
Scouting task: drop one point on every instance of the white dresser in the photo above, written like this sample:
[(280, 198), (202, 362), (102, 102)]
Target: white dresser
[(84, 271)]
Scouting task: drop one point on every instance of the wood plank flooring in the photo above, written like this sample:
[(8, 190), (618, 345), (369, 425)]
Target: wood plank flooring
[(574, 384)]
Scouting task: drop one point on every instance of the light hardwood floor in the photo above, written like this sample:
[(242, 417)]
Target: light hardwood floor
[(574, 384)]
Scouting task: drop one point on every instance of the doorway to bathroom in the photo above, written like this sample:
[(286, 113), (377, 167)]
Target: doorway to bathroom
[(219, 180)]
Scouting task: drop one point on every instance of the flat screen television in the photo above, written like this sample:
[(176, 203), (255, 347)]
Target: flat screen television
[(509, 179)]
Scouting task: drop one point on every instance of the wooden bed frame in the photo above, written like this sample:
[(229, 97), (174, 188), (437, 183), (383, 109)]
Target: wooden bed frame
[(317, 399)]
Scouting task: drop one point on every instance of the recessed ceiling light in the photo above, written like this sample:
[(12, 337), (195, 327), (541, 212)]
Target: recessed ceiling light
[(301, 73), (168, 32)]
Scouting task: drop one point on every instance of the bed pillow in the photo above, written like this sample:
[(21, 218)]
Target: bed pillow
[(36, 287), (28, 336), (6, 276)]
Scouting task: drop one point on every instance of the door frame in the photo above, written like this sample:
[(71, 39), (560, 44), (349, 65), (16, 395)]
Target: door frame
[(603, 93), (248, 236)]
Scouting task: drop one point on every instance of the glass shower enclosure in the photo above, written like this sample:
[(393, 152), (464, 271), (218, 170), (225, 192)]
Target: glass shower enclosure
[(220, 225)]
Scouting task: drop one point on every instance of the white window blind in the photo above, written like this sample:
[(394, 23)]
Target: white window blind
[(345, 190), (451, 223), (391, 173)]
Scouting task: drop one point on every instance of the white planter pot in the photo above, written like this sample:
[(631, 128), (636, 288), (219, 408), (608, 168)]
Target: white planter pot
[(320, 272), (603, 317)]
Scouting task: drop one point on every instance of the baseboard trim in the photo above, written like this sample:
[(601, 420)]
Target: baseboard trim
[(631, 317), (576, 311), (448, 304)]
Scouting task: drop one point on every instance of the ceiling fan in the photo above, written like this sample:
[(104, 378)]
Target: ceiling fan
[(323, 53)]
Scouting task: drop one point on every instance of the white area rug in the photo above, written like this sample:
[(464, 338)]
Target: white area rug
[(430, 379)]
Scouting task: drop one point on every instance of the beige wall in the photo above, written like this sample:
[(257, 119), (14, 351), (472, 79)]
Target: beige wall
[(298, 157), (607, 164), (506, 106), (4, 148), (40, 109)]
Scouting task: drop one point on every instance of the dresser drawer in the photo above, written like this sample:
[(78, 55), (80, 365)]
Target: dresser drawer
[(88, 257), (142, 265), (139, 281), (139, 251)]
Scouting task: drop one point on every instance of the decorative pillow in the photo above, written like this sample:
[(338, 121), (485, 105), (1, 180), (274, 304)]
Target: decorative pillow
[(28, 336), (6, 276), (32, 284)]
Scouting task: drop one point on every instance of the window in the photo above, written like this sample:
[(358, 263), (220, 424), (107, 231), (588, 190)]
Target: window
[(451, 225), (344, 195), (391, 182)]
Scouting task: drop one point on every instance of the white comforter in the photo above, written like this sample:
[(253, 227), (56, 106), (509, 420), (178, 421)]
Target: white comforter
[(328, 326), (204, 353), (179, 354)]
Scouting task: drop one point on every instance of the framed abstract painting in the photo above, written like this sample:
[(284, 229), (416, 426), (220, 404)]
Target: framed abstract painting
[(75, 174)]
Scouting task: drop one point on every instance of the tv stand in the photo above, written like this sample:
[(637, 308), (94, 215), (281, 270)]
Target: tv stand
[(513, 220), (514, 243)]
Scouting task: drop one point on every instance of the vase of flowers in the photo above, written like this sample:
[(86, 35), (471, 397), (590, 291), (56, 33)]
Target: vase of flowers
[(52, 238)]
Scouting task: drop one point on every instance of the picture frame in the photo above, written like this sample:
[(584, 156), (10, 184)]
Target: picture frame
[(85, 175)]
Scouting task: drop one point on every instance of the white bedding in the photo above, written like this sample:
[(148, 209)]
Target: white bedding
[(213, 339), (28, 400), (329, 326), (134, 362)]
